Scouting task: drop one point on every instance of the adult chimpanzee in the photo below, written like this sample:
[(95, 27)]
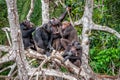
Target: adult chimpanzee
[(44, 35), (69, 34), (27, 29), (73, 52), (57, 31)]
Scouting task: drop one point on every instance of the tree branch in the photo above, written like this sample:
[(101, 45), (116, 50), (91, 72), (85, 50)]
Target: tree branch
[(5, 48), (12, 69), (8, 37), (31, 10), (8, 57), (79, 22), (100, 27), (51, 72), (34, 54), (106, 29)]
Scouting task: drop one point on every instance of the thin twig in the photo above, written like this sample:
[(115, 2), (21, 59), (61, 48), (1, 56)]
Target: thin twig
[(8, 37), (31, 10)]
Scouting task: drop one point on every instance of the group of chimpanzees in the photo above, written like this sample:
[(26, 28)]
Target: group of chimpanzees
[(56, 35)]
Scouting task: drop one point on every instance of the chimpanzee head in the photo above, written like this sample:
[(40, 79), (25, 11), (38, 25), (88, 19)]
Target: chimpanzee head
[(55, 22), (47, 27), (65, 24), (28, 24), (76, 44)]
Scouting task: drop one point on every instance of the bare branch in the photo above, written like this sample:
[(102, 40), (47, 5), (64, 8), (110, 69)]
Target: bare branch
[(12, 69), (106, 29), (8, 57), (34, 54), (64, 6), (31, 10), (51, 72), (6, 77), (4, 48), (79, 22), (8, 37), (6, 28)]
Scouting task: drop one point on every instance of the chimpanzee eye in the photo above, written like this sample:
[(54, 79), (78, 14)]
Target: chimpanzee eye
[(78, 43)]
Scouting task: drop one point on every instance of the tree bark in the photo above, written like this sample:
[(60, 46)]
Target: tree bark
[(31, 10), (45, 11), (17, 44)]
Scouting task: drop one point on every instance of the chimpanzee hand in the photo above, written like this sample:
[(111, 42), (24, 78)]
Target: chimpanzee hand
[(67, 55), (50, 48), (68, 8)]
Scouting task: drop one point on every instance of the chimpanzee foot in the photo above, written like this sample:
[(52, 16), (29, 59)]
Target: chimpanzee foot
[(51, 49), (48, 54)]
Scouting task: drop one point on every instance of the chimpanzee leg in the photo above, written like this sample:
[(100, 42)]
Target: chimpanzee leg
[(26, 42), (56, 44), (77, 63), (64, 43)]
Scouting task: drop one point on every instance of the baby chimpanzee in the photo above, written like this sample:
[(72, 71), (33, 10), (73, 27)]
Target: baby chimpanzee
[(73, 52)]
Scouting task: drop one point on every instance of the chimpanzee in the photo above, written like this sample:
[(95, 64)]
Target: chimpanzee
[(69, 34), (73, 52), (44, 35), (27, 29), (57, 30)]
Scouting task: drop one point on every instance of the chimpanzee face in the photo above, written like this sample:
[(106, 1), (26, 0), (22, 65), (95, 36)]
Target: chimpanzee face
[(55, 22), (47, 27), (28, 24), (77, 44)]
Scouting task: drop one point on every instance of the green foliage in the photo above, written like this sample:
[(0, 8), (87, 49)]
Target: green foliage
[(35, 63), (105, 61), (3, 66), (63, 69), (77, 8), (23, 11), (23, 8), (36, 17), (3, 20), (103, 40), (105, 47)]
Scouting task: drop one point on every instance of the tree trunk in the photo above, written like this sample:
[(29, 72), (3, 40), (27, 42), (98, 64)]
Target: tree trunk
[(17, 44), (86, 21), (45, 11)]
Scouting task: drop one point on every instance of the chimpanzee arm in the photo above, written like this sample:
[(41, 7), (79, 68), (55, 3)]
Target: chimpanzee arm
[(74, 57), (61, 18), (66, 34), (67, 55), (50, 42), (26, 33), (68, 30), (55, 36)]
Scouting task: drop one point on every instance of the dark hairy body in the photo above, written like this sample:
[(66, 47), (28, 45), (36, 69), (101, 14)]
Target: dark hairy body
[(27, 29), (73, 52)]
